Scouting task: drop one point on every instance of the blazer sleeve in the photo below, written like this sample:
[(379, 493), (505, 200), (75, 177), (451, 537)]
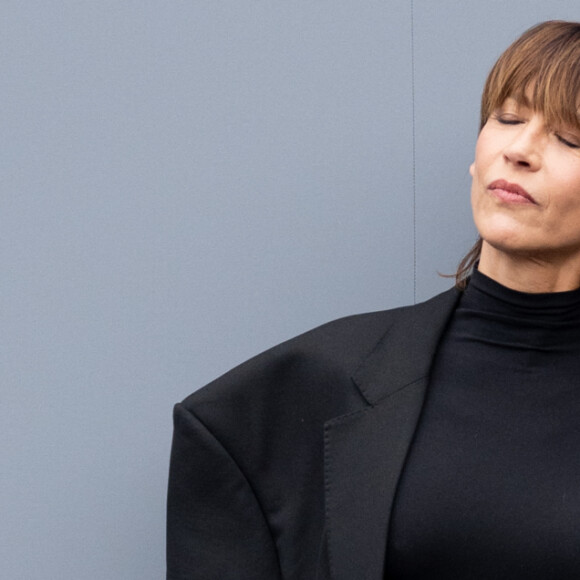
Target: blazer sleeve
[(216, 528)]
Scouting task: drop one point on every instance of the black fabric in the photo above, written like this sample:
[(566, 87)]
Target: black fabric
[(286, 467), (491, 487)]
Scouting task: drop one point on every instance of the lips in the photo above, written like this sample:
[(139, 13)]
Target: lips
[(510, 192)]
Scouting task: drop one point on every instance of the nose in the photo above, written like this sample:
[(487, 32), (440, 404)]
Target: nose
[(525, 148)]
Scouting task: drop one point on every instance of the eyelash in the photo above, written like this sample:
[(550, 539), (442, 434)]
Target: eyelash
[(567, 143), (504, 121), (508, 121)]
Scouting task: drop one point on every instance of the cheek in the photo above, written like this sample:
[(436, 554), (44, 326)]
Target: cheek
[(476, 201), (479, 199), (563, 194), (572, 186), (485, 149), (475, 170), (479, 169)]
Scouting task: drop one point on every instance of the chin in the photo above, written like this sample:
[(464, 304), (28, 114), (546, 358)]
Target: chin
[(508, 241), (501, 235), (518, 246)]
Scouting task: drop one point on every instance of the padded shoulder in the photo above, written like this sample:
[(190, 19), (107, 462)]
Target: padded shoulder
[(333, 349)]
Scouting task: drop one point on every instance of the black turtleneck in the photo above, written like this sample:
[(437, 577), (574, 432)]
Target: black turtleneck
[(491, 487)]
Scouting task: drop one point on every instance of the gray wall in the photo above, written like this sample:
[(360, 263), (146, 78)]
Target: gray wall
[(184, 184)]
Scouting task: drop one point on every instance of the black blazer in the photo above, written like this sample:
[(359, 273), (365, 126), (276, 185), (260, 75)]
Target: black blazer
[(287, 466)]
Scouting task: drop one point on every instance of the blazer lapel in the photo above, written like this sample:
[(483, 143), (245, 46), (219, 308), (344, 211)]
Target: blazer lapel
[(365, 451)]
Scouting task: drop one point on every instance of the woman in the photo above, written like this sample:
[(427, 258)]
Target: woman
[(433, 441)]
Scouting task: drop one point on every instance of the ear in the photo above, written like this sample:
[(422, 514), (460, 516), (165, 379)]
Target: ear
[(472, 169)]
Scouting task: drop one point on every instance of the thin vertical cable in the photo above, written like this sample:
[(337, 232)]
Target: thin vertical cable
[(413, 140)]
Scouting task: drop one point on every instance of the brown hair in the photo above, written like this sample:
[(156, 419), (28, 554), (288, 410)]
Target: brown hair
[(541, 69)]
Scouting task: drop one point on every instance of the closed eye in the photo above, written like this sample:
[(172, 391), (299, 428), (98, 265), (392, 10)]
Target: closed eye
[(505, 118), (568, 143), (508, 121)]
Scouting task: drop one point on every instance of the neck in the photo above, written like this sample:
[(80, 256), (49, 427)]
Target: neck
[(531, 273)]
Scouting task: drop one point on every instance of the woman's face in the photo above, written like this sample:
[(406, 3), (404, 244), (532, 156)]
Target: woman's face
[(525, 192)]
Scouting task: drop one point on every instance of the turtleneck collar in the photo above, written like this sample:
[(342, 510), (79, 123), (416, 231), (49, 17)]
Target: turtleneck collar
[(551, 303), (499, 315)]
